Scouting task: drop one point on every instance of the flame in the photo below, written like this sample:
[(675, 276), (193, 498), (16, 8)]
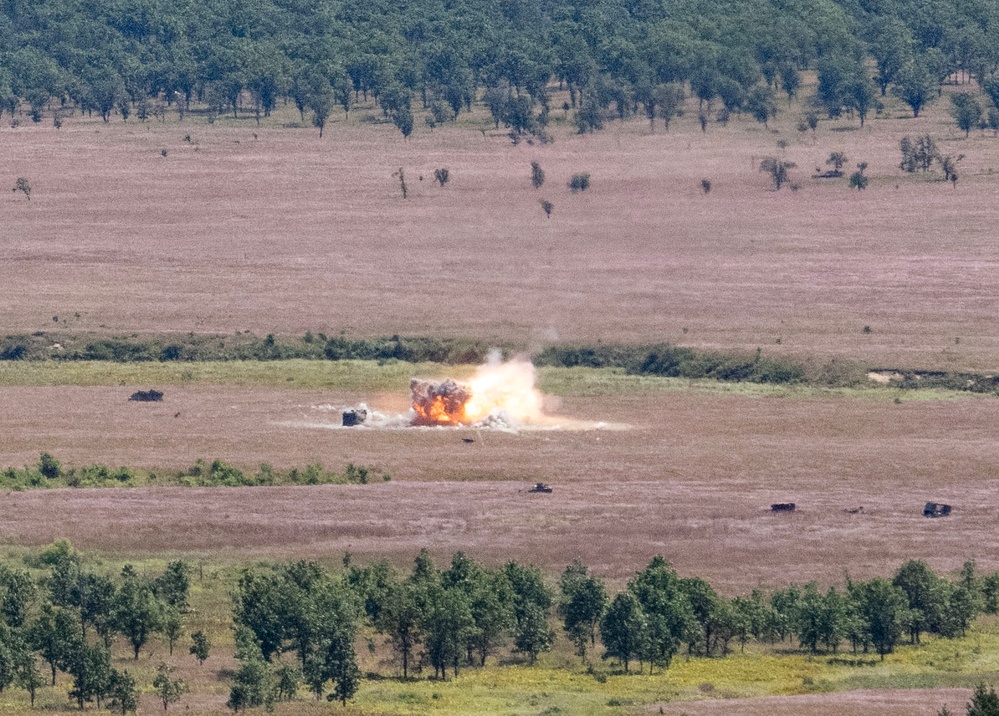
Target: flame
[(505, 391), (437, 412)]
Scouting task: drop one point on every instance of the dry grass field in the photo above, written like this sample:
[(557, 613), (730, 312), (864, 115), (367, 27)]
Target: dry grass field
[(691, 478), (271, 230)]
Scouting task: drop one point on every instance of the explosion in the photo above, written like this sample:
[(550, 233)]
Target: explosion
[(498, 391)]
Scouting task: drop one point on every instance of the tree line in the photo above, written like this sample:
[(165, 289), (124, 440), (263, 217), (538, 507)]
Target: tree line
[(439, 621), (615, 57), (296, 624)]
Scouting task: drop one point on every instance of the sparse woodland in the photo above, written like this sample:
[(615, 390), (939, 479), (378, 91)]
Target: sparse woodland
[(295, 626)]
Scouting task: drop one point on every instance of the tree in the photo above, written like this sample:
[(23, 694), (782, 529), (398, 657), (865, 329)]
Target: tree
[(820, 618), (123, 695), (446, 625), (172, 626), (579, 182), (581, 607), (790, 80), (537, 175), (892, 47), (90, 667), (858, 180), (252, 685), (761, 104), (400, 617), (17, 595), (442, 176), (259, 605), (96, 597), (923, 596), (983, 702), (622, 630), (992, 120), (321, 102), (707, 607), (669, 102), (491, 602), (860, 96), (948, 164), (137, 613), (200, 646), (56, 635), (915, 86), (403, 120), (732, 94), (168, 690), (22, 185), (9, 657), (173, 585), (918, 154), (883, 608), (532, 602), (286, 680), (532, 635), (966, 111), (778, 170), (330, 621), (589, 117), (28, 676), (669, 617)]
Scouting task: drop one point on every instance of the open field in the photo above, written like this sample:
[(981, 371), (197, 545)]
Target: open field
[(272, 230), (690, 477)]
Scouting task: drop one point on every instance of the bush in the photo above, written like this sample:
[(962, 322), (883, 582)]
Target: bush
[(858, 180), (22, 185), (579, 182), (442, 176), (537, 175), (49, 467)]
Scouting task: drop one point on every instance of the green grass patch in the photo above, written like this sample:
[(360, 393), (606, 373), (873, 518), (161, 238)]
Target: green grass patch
[(393, 376)]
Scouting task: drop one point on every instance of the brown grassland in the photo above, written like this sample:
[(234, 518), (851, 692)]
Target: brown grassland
[(271, 230), (275, 231)]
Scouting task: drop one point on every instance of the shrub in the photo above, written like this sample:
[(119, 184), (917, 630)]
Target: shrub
[(22, 185), (537, 175), (857, 180), (579, 182), (706, 186), (442, 176), (48, 466), (547, 206)]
